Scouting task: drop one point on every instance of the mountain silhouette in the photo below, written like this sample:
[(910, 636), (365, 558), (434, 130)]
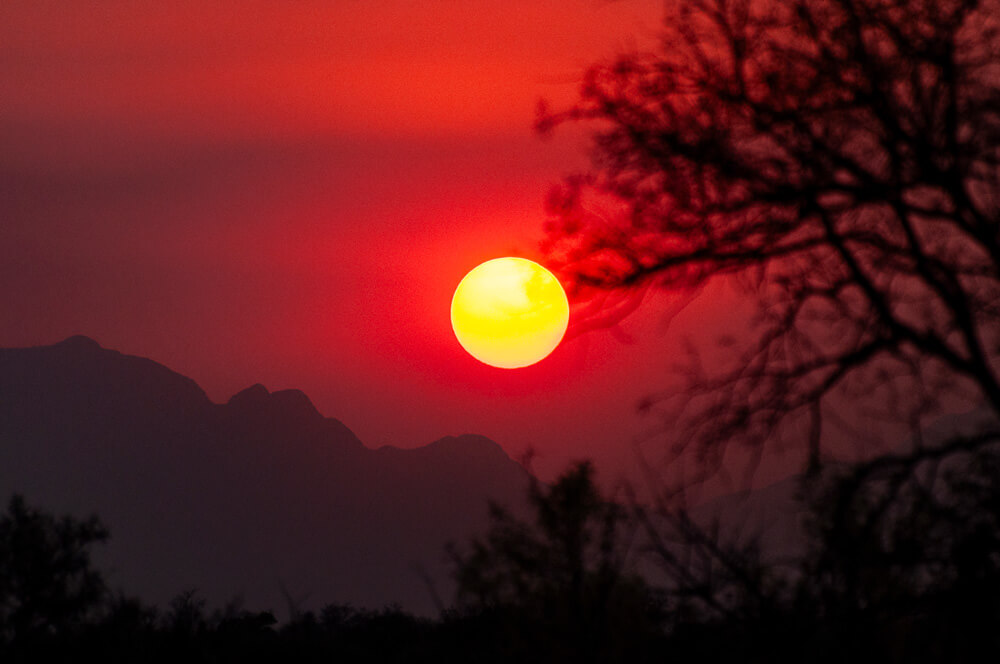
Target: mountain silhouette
[(262, 497)]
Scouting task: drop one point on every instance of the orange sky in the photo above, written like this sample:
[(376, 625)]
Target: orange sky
[(288, 193)]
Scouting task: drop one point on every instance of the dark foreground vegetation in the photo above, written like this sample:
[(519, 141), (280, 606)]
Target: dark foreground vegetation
[(917, 583), (554, 590)]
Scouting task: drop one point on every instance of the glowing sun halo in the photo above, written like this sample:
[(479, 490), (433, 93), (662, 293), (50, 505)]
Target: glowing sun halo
[(509, 312)]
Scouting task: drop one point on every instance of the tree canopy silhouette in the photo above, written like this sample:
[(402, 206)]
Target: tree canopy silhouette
[(560, 588), (48, 587), (841, 160)]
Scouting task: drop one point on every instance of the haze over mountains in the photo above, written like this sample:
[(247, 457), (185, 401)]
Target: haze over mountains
[(262, 497), (266, 499)]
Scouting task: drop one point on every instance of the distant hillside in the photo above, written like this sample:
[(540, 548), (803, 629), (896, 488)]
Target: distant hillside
[(262, 497)]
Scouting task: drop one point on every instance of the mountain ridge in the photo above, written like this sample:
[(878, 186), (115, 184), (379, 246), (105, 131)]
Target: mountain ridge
[(259, 496)]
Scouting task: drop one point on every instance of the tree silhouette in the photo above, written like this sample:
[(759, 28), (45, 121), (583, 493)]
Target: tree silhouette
[(48, 588), (840, 161), (838, 158), (558, 588), (912, 554)]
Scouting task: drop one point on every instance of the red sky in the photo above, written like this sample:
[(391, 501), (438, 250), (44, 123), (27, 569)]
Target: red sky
[(289, 192)]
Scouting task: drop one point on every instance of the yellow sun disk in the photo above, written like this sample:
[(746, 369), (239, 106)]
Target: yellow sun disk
[(509, 312)]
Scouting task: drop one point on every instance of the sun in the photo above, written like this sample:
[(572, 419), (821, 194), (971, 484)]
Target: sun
[(509, 312)]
